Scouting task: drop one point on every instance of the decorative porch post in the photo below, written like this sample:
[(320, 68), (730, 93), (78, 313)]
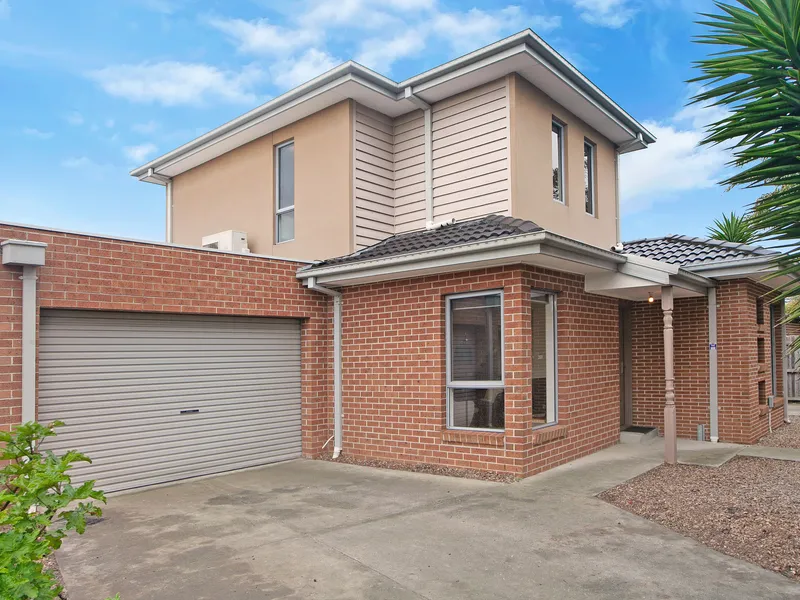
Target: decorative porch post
[(670, 420)]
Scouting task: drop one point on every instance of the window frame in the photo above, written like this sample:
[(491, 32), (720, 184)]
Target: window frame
[(449, 383), (551, 346), (287, 209), (592, 185), (774, 316), (562, 128)]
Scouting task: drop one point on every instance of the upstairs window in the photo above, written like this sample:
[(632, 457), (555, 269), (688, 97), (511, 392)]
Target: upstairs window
[(558, 161), (284, 192), (475, 393), (589, 153)]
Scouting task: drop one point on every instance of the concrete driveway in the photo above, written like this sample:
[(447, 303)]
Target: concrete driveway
[(310, 529)]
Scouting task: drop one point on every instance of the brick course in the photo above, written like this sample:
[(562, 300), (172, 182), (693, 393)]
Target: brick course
[(94, 273), (394, 393), (741, 418)]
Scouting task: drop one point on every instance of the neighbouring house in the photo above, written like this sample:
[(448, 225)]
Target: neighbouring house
[(424, 271)]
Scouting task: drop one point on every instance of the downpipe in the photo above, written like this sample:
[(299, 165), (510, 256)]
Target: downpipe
[(337, 362)]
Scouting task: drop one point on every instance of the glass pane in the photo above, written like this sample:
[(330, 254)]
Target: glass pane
[(484, 409), (588, 176), (286, 226), (539, 333), (556, 161), (476, 339), (286, 176)]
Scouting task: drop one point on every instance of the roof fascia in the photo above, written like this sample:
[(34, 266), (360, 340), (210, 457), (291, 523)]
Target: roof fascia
[(332, 79), (526, 41), (538, 242), (537, 48)]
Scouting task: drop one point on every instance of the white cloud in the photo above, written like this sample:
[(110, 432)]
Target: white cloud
[(139, 153), (175, 83), (262, 37), (74, 118), (675, 163), (145, 128), (605, 13), (79, 162), (5, 9), (37, 133), (361, 14), (379, 53), (474, 28), (292, 72)]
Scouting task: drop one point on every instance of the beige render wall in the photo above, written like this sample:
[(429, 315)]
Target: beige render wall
[(237, 190), (531, 170)]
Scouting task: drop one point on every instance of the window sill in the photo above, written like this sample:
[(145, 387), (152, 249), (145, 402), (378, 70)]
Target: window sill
[(475, 438), (549, 433)]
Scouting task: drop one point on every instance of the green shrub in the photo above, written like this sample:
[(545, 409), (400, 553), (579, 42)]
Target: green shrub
[(38, 506)]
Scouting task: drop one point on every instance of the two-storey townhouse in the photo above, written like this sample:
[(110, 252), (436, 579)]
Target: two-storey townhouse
[(443, 258)]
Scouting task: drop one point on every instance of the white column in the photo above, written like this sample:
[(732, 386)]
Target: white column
[(28, 343), (670, 419), (713, 406)]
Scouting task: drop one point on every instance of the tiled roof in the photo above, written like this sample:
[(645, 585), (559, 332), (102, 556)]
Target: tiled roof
[(686, 251), (463, 232)]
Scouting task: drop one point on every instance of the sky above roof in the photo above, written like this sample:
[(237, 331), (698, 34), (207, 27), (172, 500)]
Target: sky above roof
[(92, 89)]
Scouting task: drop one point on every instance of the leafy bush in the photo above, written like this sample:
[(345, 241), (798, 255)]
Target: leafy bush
[(37, 509)]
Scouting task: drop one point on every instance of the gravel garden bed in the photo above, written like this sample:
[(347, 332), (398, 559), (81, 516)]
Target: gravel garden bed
[(787, 436), (425, 468), (748, 508)]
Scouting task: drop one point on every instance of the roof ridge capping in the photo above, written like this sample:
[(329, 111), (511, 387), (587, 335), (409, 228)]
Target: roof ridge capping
[(452, 234), (724, 243)]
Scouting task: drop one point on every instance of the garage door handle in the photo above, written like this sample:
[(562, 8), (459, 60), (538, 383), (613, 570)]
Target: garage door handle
[(190, 411)]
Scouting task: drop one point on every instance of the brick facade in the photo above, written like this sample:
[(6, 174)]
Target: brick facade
[(394, 394), (742, 416), (394, 355), (690, 330), (94, 273)]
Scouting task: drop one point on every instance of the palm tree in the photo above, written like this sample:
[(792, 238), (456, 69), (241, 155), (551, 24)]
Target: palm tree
[(756, 78), (733, 228)]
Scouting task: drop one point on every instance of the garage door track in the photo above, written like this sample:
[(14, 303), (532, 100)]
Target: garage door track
[(312, 529)]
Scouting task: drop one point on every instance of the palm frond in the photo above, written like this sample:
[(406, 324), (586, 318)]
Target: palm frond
[(755, 76)]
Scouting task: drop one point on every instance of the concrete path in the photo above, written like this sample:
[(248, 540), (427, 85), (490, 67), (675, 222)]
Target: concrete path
[(317, 530), (771, 452)]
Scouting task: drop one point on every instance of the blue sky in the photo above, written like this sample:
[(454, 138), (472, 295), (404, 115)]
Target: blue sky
[(89, 90)]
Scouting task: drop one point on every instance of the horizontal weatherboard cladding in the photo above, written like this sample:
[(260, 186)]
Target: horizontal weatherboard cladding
[(120, 382)]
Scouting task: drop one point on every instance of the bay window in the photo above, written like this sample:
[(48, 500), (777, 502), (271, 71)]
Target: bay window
[(475, 393)]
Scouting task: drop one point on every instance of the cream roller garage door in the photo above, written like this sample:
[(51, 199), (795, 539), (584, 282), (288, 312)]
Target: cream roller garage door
[(158, 398)]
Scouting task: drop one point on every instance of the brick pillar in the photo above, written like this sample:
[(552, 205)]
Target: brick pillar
[(518, 371)]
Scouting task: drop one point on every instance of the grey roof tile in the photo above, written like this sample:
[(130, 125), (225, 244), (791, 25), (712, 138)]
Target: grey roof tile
[(463, 232), (686, 251)]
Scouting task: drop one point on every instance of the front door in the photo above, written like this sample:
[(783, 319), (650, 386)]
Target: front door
[(625, 372)]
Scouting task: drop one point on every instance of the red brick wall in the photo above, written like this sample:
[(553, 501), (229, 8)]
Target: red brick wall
[(85, 272), (690, 332), (394, 393)]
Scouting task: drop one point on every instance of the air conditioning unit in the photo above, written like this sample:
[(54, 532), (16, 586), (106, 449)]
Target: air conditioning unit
[(230, 241)]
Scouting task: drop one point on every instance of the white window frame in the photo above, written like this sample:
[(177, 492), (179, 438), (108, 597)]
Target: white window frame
[(551, 349), (279, 211), (561, 132), (592, 176), (489, 385)]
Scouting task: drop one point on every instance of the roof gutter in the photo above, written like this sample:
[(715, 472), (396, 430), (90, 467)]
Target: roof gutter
[(526, 41), (560, 246)]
